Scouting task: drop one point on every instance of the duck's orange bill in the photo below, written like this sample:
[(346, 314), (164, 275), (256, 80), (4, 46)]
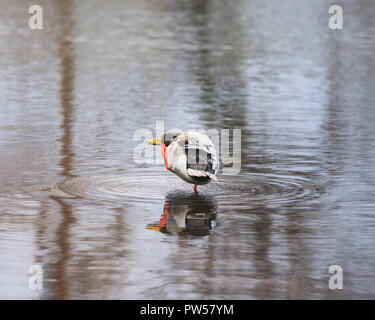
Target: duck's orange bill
[(164, 155), (154, 141)]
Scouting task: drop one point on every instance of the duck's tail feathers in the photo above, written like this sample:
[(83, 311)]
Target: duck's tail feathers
[(200, 173)]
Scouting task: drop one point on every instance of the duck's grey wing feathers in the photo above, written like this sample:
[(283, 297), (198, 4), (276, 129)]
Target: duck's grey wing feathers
[(201, 156)]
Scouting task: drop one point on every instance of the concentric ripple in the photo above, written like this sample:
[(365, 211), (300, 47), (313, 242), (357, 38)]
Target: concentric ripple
[(231, 189)]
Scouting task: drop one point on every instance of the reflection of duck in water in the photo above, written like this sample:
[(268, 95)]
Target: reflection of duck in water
[(193, 215), (190, 155)]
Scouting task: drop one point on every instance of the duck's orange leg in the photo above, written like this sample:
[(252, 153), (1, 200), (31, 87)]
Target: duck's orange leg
[(195, 188)]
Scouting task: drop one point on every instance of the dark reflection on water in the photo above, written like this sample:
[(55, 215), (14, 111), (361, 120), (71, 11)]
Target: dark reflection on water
[(73, 200), (57, 270), (189, 214)]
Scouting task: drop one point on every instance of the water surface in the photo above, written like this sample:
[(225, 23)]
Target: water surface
[(73, 200)]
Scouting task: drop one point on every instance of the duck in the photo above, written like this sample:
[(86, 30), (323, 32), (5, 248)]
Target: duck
[(190, 155)]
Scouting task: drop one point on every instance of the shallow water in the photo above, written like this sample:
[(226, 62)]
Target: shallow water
[(73, 200)]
